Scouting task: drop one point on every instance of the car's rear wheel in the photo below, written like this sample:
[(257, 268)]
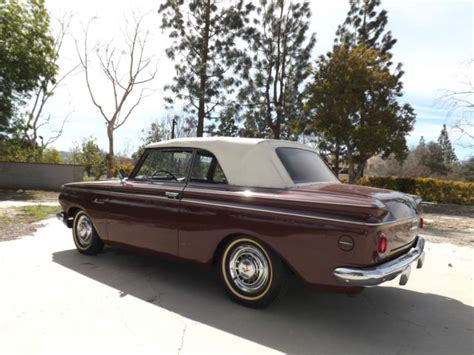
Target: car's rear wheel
[(85, 236), (252, 274)]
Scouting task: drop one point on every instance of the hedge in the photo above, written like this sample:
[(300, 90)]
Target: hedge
[(441, 191)]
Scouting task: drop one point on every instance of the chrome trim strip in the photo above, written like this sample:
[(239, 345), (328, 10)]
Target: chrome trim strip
[(245, 193), (266, 210), (373, 276), (123, 194)]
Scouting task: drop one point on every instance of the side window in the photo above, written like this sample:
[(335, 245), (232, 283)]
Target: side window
[(165, 165), (207, 169)]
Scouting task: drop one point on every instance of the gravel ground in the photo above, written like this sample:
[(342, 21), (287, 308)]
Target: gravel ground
[(449, 224), (11, 199), (17, 230)]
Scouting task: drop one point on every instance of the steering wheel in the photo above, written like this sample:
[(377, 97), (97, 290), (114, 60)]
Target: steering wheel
[(156, 172)]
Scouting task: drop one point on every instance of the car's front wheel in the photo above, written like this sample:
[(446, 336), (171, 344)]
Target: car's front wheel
[(85, 236), (252, 274)]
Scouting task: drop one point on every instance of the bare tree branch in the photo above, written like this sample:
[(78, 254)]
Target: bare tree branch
[(35, 118), (462, 101), (125, 70)]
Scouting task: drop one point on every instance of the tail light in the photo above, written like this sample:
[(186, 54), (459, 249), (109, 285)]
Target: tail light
[(382, 244), (420, 223)]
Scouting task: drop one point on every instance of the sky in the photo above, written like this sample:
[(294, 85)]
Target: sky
[(435, 42)]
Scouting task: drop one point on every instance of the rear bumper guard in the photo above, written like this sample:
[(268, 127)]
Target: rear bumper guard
[(376, 275)]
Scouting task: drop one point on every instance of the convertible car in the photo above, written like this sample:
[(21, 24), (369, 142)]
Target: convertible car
[(256, 210)]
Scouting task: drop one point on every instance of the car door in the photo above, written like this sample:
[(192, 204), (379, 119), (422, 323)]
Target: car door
[(203, 222), (144, 211)]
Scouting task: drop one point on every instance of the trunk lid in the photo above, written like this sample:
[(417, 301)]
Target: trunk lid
[(402, 213)]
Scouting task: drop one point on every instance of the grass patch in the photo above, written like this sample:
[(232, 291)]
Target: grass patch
[(28, 214)]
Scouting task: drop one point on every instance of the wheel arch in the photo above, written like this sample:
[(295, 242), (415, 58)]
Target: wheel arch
[(72, 211), (226, 240)]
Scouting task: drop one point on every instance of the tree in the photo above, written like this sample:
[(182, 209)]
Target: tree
[(434, 160), (27, 55), (203, 34), (51, 156), (449, 156), (17, 150), (462, 100), (467, 169), (414, 164), (14, 149), (422, 141), (153, 134), (89, 155), (33, 118), (353, 99), (365, 26), (279, 50), (161, 131), (126, 69), (362, 30)]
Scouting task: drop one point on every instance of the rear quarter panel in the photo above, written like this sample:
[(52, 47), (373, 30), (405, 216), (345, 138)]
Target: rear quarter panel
[(308, 246)]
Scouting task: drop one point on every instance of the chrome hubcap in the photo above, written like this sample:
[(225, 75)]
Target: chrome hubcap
[(84, 231), (249, 268)]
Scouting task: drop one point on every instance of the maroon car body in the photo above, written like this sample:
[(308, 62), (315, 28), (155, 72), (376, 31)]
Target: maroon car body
[(326, 232)]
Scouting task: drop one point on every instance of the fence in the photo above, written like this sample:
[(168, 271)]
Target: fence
[(34, 176)]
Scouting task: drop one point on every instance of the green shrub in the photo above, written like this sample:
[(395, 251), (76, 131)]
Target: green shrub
[(441, 191), (127, 167)]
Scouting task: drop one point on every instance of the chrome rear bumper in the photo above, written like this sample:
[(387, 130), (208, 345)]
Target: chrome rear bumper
[(373, 276)]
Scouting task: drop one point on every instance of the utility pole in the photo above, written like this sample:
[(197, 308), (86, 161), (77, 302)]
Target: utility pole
[(172, 128)]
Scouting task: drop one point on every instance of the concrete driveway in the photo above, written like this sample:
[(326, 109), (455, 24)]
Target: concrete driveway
[(56, 301)]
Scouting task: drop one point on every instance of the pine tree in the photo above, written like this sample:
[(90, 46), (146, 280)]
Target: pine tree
[(203, 34), (422, 142), (449, 156), (363, 32), (353, 100), (279, 47), (365, 25)]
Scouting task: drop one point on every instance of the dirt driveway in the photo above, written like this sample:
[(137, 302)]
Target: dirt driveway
[(57, 301), (449, 223)]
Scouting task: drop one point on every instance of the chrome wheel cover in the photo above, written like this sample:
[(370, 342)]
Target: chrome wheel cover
[(248, 268), (84, 231)]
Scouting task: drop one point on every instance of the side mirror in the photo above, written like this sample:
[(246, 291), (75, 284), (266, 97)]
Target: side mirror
[(121, 175)]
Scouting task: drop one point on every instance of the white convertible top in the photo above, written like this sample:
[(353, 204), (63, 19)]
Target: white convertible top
[(245, 161)]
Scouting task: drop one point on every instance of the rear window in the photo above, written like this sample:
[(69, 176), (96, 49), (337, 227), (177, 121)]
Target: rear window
[(305, 166)]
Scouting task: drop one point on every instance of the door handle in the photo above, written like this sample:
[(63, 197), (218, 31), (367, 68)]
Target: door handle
[(99, 201), (172, 195)]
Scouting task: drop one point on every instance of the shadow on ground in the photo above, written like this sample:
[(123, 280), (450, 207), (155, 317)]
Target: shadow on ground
[(27, 195), (380, 320)]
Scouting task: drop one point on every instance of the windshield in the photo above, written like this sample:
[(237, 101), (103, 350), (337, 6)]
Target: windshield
[(163, 164), (305, 166)]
